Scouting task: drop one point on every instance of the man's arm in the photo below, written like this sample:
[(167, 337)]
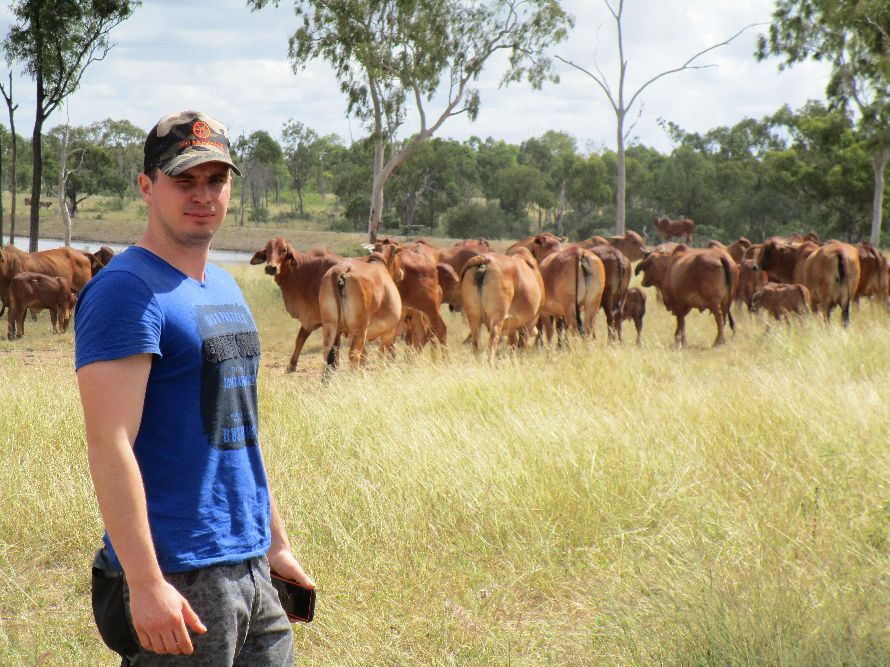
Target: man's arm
[(280, 555), (113, 394)]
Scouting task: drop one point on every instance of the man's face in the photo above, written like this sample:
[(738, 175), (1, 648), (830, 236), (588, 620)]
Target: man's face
[(188, 208)]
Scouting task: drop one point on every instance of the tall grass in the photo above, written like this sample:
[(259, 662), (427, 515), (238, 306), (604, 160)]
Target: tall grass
[(601, 505)]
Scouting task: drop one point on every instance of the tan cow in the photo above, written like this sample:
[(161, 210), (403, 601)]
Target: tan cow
[(617, 269), (504, 293), (67, 263), (35, 292), (668, 229), (751, 279), (419, 290), (831, 272), (688, 278), (873, 279), (574, 279), (634, 308), (455, 257), (781, 300), (359, 299), (631, 244), (298, 275)]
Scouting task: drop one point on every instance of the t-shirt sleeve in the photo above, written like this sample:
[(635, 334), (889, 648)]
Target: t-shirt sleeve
[(116, 316)]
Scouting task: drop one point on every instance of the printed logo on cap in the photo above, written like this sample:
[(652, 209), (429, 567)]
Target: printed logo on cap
[(201, 130)]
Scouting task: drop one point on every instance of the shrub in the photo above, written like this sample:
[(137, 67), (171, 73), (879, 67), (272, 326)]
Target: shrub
[(488, 221)]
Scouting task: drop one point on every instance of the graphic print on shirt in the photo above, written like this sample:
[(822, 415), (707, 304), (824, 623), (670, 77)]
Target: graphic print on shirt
[(228, 375)]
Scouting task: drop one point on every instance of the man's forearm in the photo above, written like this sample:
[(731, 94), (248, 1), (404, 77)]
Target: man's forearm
[(121, 497)]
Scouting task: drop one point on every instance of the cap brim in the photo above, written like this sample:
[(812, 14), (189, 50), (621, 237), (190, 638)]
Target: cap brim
[(180, 163)]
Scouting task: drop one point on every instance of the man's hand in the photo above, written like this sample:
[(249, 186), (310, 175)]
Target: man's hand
[(160, 616), (283, 562)]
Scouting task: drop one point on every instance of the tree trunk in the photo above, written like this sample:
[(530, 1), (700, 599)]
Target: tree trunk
[(560, 209), (621, 177), (879, 161), (13, 174), (300, 199), (36, 181), (375, 216), (63, 177)]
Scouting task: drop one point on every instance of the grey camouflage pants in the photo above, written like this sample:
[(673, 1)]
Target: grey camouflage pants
[(240, 609)]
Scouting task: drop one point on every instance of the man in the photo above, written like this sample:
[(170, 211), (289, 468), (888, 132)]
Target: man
[(167, 354)]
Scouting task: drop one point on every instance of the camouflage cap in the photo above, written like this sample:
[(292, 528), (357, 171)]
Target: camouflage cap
[(183, 140)]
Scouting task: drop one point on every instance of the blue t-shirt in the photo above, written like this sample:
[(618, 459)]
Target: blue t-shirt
[(197, 446)]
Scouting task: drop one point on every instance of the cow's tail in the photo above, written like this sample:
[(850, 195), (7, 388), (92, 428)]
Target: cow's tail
[(730, 285), (619, 302), (480, 263), (338, 283), (844, 284), (582, 268)]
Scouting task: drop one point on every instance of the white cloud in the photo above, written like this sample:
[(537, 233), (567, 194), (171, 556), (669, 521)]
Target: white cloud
[(232, 63)]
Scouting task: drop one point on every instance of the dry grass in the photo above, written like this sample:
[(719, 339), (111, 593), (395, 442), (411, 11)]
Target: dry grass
[(605, 505)]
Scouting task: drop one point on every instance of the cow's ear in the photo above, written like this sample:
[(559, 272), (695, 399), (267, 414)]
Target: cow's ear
[(258, 257)]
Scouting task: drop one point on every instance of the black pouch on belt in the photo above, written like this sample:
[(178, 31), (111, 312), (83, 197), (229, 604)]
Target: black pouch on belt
[(108, 607)]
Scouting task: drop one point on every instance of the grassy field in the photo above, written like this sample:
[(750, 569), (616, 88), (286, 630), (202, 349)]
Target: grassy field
[(606, 505)]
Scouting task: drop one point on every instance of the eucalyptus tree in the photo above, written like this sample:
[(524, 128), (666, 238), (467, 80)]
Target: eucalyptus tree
[(11, 107), (396, 56), (56, 40), (622, 101), (853, 36), (301, 153)]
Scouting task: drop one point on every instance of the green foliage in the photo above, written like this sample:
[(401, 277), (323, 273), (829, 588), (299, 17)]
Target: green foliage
[(489, 221)]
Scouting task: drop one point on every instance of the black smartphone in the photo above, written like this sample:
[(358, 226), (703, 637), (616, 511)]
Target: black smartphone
[(298, 601)]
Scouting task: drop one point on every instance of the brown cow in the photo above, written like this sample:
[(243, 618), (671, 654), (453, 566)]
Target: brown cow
[(298, 274), (42, 204), (419, 289), (574, 279), (668, 228), (780, 300), (634, 308), (631, 244), (617, 269), (779, 258), (751, 279), (831, 272), (705, 279), (873, 280), (455, 257), (359, 299), (98, 259), (504, 293), (738, 248), (34, 292), (67, 263), (449, 283)]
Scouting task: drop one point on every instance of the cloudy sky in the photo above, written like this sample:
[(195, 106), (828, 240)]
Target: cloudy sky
[(232, 63)]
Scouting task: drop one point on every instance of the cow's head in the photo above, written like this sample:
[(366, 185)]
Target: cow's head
[(756, 298), (391, 254), (544, 245), (276, 251), (652, 267)]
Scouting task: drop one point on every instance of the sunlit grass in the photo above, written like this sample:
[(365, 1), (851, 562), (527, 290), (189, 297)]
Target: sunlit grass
[(597, 506)]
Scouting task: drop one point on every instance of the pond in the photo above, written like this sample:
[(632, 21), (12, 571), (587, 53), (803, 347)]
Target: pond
[(216, 256)]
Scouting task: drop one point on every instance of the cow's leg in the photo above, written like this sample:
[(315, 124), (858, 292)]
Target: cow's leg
[(330, 345), (494, 337), (638, 323), (53, 320), (721, 324), (357, 347), (845, 314), (20, 324), (10, 324), (302, 335), (680, 333)]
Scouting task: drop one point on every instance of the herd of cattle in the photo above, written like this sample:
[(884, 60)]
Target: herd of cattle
[(47, 279), (543, 282), (540, 284)]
